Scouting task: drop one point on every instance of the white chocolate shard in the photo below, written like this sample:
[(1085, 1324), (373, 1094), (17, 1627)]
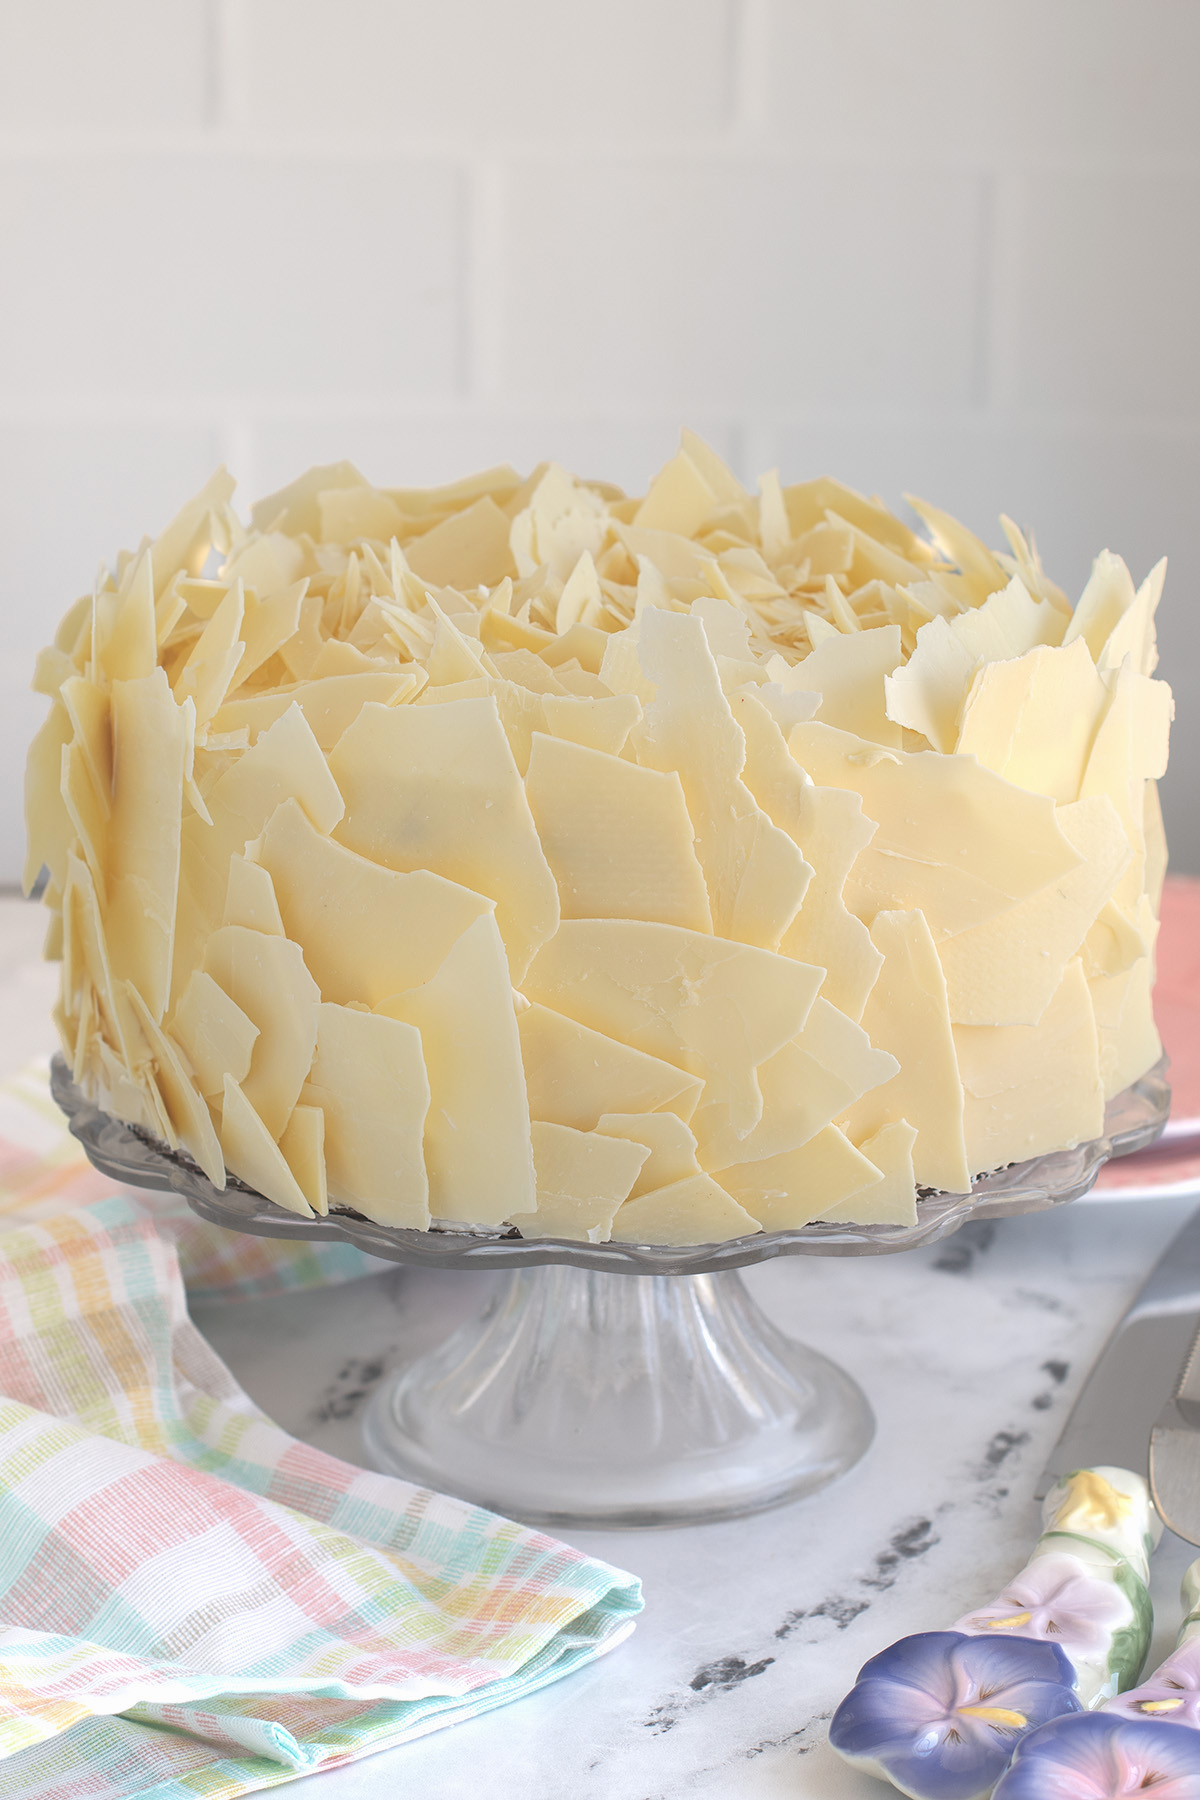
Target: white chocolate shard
[(617, 837), (89, 709), (825, 932), (1130, 748), (203, 521), (295, 508), (268, 563), (575, 1075), (582, 597), (830, 828), (84, 812), (1133, 635), (266, 978), (562, 520), (908, 1014), (185, 1108), (367, 931), (1128, 1037), (150, 748), (928, 694), (348, 513), (1006, 971), (86, 954), (1104, 602), (1155, 840), (330, 705), (978, 565), (436, 788), (825, 1068), (250, 898), (285, 763), (368, 1078), (849, 674), (582, 1178), (49, 831), (1033, 719), (465, 549), (477, 1145), (215, 658), (711, 1006), (787, 1191), (680, 497), (267, 624), (254, 1156), (302, 1146), (601, 724), (754, 873), (216, 1035), (693, 1210), (954, 840), (892, 1201), (671, 1144), (125, 634), (1031, 1089)]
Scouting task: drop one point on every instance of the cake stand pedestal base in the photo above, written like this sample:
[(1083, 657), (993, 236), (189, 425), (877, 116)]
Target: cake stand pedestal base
[(620, 1384), (580, 1398)]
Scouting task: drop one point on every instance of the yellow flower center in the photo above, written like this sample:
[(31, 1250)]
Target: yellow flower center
[(1091, 1504), (996, 1715), (1159, 1706), (1021, 1618)]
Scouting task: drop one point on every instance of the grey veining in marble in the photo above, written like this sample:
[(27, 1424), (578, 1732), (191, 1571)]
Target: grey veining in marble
[(970, 1351)]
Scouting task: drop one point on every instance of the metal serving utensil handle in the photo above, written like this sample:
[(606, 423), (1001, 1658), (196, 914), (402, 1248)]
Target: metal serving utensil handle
[(1175, 1451), (1187, 1390)]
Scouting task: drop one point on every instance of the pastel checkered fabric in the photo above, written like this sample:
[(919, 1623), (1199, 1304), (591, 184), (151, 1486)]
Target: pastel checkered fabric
[(43, 1171), (193, 1603)]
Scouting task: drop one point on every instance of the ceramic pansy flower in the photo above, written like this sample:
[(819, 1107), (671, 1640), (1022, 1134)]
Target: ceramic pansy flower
[(1102, 1756), (1172, 1693), (1057, 1597), (1145, 1742), (939, 1715)]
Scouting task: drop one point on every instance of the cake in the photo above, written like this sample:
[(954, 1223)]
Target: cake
[(518, 855)]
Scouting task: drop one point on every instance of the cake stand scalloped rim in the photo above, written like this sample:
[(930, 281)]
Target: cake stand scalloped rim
[(1134, 1119)]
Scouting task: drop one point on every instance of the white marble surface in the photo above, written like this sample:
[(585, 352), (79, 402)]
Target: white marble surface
[(970, 1351)]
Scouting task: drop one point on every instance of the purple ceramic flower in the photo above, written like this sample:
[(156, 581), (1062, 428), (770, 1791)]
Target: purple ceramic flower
[(1102, 1756), (938, 1714), (1172, 1693), (1056, 1597)]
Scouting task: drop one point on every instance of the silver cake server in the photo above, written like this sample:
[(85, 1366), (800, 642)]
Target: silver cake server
[(1094, 1488), (1132, 1382), (1175, 1451)]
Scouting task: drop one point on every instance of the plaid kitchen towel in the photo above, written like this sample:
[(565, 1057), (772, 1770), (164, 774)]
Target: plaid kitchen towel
[(43, 1171), (194, 1604)]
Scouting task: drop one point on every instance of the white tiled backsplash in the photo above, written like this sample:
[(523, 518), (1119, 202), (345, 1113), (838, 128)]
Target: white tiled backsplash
[(944, 246)]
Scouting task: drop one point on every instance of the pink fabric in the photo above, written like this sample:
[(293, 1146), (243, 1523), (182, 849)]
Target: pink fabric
[(1177, 996), (1172, 1167)]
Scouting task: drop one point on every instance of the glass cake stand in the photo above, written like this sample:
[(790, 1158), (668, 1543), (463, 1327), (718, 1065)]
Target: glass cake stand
[(578, 1399)]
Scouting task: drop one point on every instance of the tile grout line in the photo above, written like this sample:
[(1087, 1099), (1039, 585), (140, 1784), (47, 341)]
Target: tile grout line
[(1008, 200), (231, 131), (195, 409), (983, 372), (748, 37), (227, 73), (480, 258)]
